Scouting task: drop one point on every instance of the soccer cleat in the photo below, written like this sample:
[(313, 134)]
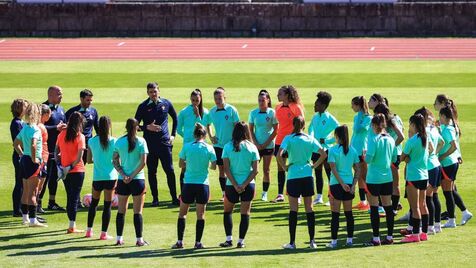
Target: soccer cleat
[(226, 244), (264, 196), (198, 245), (26, 221), (411, 238), (119, 242), (299, 201), (240, 245), (105, 236), (331, 246), (466, 217), (73, 230), (155, 203), (89, 233), (289, 246), (387, 241), (405, 232), (176, 202), (431, 230), (451, 223), (279, 198), (178, 245), (362, 206), (438, 229), (372, 243), (381, 212), (40, 219), (318, 200), (405, 217), (141, 243), (445, 216), (39, 210), (312, 244), (423, 237), (349, 244), (54, 206), (327, 204), (37, 224)]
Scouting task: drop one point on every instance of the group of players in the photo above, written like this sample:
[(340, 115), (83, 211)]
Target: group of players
[(51, 145)]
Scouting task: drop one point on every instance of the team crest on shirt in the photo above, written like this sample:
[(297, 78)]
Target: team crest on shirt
[(163, 108), (267, 118), (226, 117), (323, 122)]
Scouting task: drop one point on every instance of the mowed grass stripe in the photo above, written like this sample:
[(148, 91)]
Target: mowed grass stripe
[(257, 80)]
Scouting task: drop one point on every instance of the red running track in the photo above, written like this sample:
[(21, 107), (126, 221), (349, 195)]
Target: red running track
[(236, 49)]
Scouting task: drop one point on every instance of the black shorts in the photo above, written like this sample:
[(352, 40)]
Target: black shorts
[(315, 157), (276, 150), (28, 168), (338, 192), (396, 164), (434, 177), (420, 185), (104, 185), (300, 187), (449, 172), (219, 152), (195, 193), (134, 188), (266, 152), (377, 189), (234, 197)]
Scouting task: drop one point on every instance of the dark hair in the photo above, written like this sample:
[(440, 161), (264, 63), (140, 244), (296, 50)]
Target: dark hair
[(293, 95), (379, 121), (44, 109), (265, 93), (75, 126), (199, 131), (241, 132), (85, 93), (197, 92), (360, 101), (219, 90), (448, 113), (419, 121), (17, 107), (324, 98), (425, 112), (377, 97), (385, 100), (442, 98), (298, 124), (342, 132), (131, 128), (103, 131), (382, 108), (151, 85)]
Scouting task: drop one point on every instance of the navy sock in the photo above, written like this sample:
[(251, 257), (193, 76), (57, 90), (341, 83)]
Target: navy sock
[(200, 225), (119, 223), (450, 203), (362, 194), (106, 216), (92, 211), (32, 211), (138, 224), (437, 203), (292, 226), (228, 223), (375, 220), (334, 225), (459, 201), (395, 201), (416, 225), (424, 223), (24, 209), (350, 223), (390, 217), (244, 223), (311, 224), (281, 181), (180, 228), (431, 210), (265, 186)]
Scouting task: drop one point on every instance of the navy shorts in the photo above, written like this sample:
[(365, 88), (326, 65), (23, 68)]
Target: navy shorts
[(195, 193), (300, 187), (276, 150), (28, 168), (135, 187), (449, 172), (104, 185), (420, 185), (219, 152), (434, 177), (246, 196), (266, 152), (338, 192), (377, 189), (396, 164)]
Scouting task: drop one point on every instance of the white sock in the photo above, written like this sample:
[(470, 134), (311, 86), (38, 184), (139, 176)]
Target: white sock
[(229, 238), (376, 239), (119, 238), (389, 237), (32, 220), (319, 196), (72, 224), (25, 217), (140, 239), (334, 242), (241, 240), (349, 239), (465, 211)]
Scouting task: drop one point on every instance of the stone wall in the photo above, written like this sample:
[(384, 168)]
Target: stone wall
[(238, 20)]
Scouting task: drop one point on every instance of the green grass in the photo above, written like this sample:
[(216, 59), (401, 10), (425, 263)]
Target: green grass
[(120, 86)]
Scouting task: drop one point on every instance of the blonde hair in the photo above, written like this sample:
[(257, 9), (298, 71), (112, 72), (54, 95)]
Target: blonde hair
[(32, 113)]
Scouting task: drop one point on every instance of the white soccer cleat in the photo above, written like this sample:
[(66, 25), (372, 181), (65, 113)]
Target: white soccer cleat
[(466, 217)]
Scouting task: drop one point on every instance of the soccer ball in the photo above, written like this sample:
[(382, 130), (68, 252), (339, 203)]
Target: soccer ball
[(87, 200), (115, 201)]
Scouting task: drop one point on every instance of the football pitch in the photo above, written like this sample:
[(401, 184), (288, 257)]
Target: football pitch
[(119, 86)]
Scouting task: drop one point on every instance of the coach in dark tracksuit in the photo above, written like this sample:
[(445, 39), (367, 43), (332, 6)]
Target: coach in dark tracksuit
[(54, 125), (154, 112)]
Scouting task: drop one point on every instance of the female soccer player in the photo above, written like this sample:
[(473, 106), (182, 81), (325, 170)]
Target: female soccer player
[(240, 159), (360, 132), (18, 108), (300, 148), (322, 125), (288, 108), (45, 116), (342, 158), (188, 118), (395, 130), (101, 150), (416, 154), (129, 158), (28, 147), (264, 127), (69, 150), (381, 153), (195, 158), (223, 116)]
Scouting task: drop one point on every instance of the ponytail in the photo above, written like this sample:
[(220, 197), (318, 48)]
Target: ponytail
[(131, 128), (448, 113), (379, 121), (198, 93), (419, 122), (362, 103), (199, 132), (298, 124), (240, 133), (103, 131), (342, 133)]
